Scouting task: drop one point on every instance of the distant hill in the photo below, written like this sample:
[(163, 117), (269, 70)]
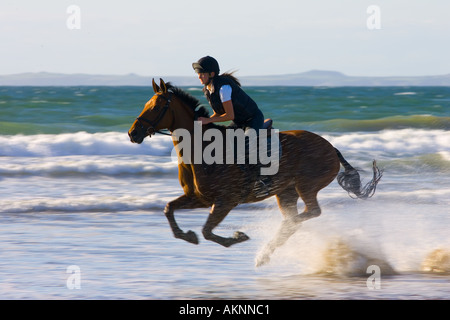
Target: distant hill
[(310, 78), (336, 79)]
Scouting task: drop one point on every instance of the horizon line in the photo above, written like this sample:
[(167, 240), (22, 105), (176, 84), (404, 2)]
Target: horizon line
[(246, 76)]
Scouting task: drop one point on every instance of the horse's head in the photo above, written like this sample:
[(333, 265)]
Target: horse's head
[(154, 116)]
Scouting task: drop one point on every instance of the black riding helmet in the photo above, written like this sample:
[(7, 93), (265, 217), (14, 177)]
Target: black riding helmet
[(206, 65)]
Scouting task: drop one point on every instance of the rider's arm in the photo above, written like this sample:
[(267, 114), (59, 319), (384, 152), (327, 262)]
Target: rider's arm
[(225, 97)]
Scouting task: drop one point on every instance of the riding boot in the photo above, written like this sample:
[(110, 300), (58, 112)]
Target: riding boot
[(262, 184)]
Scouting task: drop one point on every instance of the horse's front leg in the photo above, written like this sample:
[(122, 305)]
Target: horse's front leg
[(183, 202), (218, 212)]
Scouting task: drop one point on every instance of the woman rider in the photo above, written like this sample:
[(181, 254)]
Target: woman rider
[(229, 103), (226, 97)]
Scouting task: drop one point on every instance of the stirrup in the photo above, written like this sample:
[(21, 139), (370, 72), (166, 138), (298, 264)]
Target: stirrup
[(261, 188)]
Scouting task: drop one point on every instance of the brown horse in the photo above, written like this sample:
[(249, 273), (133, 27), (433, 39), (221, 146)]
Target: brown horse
[(307, 164)]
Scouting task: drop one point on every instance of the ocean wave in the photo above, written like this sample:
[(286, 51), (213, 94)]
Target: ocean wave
[(331, 199), (394, 143), (83, 204), (162, 166), (112, 154), (81, 143), (391, 142), (437, 162), (388, 123), (87, 166)]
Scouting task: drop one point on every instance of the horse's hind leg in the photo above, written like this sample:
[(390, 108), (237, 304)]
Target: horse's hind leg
[(218, 213), (287, 202), (183, 202), (309, 197)]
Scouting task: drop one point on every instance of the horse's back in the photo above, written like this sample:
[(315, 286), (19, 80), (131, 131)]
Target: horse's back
[(308, 141), (313, 155)]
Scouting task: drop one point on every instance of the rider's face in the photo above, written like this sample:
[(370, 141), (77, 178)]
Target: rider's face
[(205, 78)]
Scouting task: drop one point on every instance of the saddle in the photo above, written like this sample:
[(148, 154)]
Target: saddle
[(250, 169)]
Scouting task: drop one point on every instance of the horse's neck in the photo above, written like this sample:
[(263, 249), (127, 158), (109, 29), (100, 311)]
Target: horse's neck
[(190, 145), (182, 128), (183, 118)]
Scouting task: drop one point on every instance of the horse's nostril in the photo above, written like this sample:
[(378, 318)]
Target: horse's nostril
[(132, 135)]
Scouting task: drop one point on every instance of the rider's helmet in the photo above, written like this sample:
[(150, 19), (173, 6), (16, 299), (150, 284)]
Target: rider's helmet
[(206, 65)]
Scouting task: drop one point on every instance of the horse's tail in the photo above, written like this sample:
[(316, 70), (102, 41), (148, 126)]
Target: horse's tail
[(350, 181)]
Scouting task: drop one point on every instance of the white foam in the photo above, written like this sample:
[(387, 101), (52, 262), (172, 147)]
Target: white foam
[(81, 143), (445, 155), (398, 142), (407, 93), (104, 165), (85, 203)]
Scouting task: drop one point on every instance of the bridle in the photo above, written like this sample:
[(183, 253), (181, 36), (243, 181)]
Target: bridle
[(151, 129)]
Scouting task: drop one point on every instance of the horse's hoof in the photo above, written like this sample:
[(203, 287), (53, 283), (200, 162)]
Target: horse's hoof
[(167, 209), (191, 237), (262, 260), (240, 236)]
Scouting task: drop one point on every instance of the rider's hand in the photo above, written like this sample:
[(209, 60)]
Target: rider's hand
[(204, 120)]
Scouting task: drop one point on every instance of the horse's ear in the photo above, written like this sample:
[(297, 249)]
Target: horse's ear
[(155, 86), (163, 86)]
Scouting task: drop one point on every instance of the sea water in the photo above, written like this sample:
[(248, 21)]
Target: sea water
[(81, 208)]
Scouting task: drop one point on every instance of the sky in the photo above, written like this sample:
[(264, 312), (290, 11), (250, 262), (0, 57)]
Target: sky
[(163, 38)]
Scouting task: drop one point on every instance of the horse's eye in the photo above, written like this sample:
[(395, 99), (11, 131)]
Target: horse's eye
[(156, 108)]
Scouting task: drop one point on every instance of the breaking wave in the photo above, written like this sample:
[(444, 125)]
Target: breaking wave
[(402, 142)]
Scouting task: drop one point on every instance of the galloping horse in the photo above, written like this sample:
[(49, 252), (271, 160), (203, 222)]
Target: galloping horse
[(307, 164)]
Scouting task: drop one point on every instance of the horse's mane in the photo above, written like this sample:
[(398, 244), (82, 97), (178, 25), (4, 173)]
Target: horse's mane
[(191, 101)]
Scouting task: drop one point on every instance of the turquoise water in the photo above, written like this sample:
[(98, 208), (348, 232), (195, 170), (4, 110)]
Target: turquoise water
[(75, 191), (32, 110)]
